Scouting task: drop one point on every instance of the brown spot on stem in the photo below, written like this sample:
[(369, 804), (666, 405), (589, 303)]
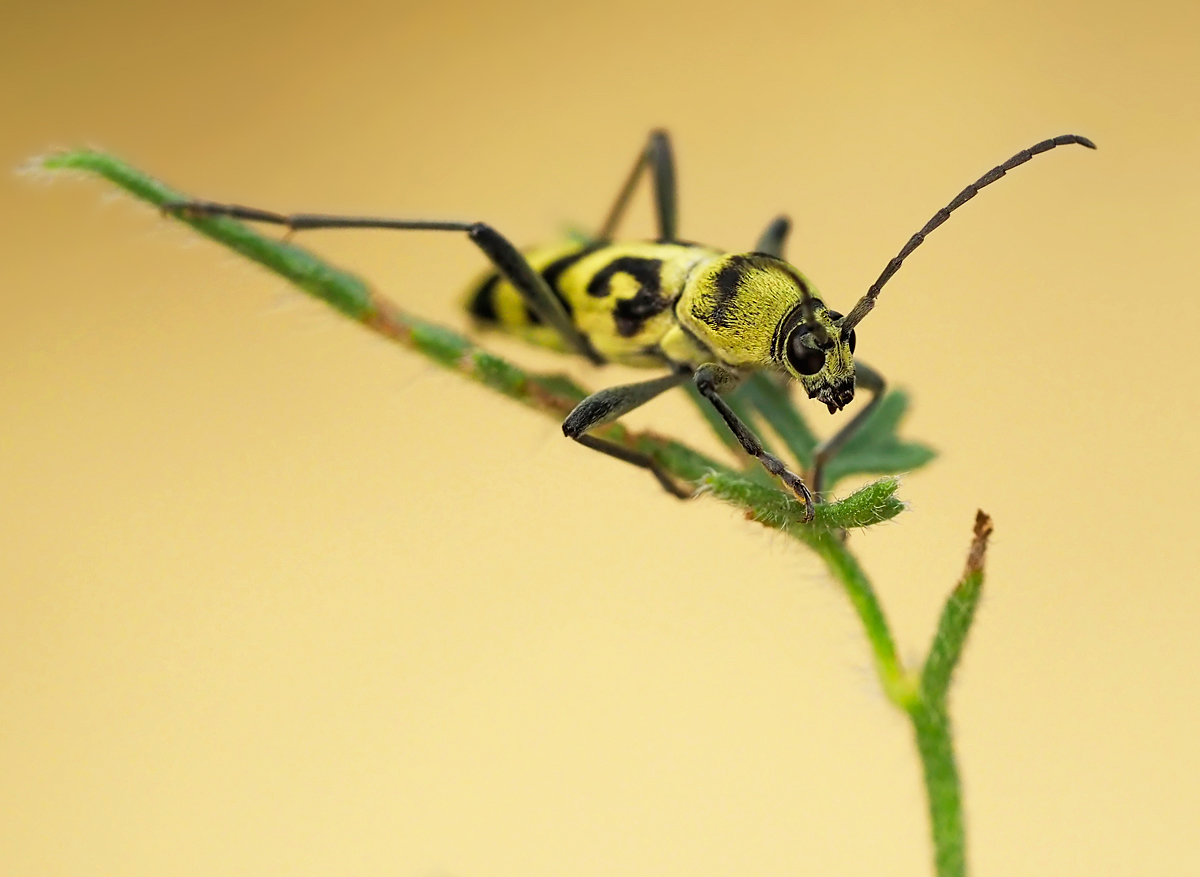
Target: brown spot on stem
[(386, 319), (544, 397), (983, 529)]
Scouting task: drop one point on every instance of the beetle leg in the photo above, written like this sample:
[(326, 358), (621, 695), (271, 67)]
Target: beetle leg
[(507, 258), (658, 158), (711, 380), (609, 404), (774, 236)]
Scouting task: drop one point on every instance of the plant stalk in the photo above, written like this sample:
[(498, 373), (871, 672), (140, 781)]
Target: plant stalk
[(931, 727), (922, 696)]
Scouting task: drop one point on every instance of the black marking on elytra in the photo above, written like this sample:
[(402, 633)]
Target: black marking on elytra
[(645, 271), (553, 272), (727, 281), (631, 314), (482, 305)]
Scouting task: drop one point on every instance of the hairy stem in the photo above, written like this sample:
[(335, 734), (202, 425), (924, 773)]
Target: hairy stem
[(897, 684), (555, 395), (931, 716), (921, 696), (931, 726)]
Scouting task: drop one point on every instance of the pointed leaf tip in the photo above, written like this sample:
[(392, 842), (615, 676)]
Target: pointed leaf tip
[(877, 447)]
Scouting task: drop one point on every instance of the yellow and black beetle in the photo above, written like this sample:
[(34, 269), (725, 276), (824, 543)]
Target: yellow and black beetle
[(704, 315)]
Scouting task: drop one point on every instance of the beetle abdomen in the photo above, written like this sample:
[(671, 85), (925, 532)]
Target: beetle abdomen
[(620, 295)]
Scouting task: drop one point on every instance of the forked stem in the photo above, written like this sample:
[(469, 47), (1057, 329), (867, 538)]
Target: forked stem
[(922, 696)]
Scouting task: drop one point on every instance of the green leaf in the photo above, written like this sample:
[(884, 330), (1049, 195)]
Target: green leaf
[(876, 449)]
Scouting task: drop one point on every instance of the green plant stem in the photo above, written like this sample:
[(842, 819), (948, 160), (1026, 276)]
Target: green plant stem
[(931, 727), (925, 708), (957, 615), (897, 683), (555, 395), (921, 696), (929, 716)]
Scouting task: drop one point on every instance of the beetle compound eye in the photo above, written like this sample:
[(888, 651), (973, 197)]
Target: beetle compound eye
[(808, 361), (805, 360), (851, 340)]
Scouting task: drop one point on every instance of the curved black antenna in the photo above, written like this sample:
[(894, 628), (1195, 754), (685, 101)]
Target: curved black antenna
[(864, 304)]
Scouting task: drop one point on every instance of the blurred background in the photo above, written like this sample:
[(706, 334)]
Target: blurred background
[(277, 596)]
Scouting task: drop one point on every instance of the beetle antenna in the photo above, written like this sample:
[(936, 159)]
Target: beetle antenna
[(867, 302)]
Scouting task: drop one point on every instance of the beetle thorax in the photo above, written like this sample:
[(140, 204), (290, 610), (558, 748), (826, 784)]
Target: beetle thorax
[(737, 305)]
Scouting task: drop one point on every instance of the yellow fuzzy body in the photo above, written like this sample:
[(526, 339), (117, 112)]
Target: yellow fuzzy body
[(680, 305), (622, 296), (740, 304)]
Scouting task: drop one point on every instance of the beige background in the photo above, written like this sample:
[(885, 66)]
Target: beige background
[(279, 597)]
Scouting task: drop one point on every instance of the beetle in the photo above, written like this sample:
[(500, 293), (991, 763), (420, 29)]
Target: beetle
[(703, 315)]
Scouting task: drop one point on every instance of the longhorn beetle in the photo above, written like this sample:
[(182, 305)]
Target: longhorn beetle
[(704, 315)]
